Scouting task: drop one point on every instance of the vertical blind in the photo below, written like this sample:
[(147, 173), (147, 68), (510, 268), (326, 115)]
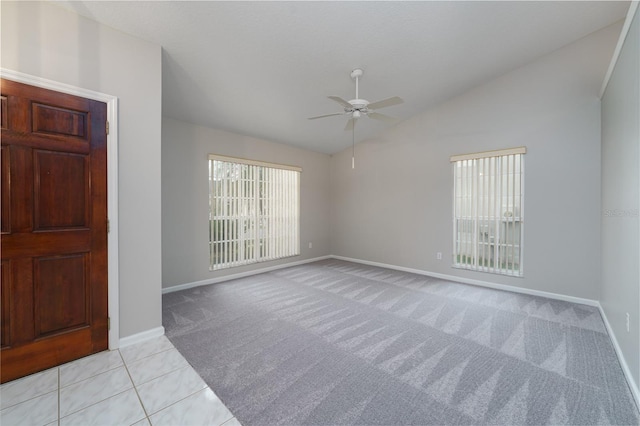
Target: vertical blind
[(254, 211), (488, 215)]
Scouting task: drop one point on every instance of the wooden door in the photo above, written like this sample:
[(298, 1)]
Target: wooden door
[(54, 229)]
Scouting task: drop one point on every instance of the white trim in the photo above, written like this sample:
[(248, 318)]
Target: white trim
[(488, 284), (463, 280), (486, 154), (635, 390), (625, 368), (54, 85), (254, 162), (112, 182), (633, 7), (239, 275), (623, 363), (112, 212), (141, 337)]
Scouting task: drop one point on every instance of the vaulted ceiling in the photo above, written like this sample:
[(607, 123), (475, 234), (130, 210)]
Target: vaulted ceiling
[(262, 68)]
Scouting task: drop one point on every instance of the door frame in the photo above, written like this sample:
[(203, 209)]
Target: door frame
[(112, 183)]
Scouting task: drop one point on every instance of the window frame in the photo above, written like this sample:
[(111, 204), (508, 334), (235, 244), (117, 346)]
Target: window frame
[(486, 218), (259, 205)]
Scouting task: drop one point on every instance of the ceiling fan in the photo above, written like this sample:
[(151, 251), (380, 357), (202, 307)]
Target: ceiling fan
[(357, 107)]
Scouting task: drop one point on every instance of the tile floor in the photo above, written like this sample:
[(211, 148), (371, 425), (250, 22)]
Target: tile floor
[(145, 384)]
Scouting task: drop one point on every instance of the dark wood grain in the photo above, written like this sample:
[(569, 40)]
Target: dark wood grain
[(61, 190), (61, 293), (59, 121), (5, 188), (5, 306), (54, 241), (21, 188), (47, 353), (3, 112)]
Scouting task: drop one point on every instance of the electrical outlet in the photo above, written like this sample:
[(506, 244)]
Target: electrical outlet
[(439, 255), (627, 322), (310, 245)]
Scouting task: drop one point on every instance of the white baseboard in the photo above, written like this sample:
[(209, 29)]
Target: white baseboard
[(141, 337), (488, 284), (239, 275), (625, 368), (623, 362)]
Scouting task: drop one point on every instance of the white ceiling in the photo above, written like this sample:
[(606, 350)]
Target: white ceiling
[(262, 68)]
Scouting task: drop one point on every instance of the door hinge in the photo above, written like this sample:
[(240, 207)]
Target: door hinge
[(107, 127), (108, 323), (108, 226)]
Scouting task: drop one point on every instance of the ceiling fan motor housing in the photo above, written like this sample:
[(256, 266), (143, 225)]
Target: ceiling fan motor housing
[(358, 107), (359, 104)]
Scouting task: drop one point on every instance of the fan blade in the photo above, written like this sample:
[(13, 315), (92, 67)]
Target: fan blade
[(340, 101), (326, 115), (385, 103), (382, 117), (350, 125)]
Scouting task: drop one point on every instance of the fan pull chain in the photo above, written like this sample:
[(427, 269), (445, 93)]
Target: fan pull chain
[(353, 145)]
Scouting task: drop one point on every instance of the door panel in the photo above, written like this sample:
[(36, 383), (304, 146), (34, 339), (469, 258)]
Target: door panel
[(61, 190), (54, 235), (5, 207), (61, 292), (5, 296), (59, 121), (20, 305), (3, 112)]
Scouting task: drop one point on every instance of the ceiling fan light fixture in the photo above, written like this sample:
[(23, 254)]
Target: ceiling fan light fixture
[(357, 107)]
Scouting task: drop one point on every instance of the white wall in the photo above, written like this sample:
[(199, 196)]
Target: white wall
[(44, 40), (185, 197), (396, 207), (621, 199)]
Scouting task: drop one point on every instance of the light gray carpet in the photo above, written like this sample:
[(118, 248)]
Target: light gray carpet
[(338, 343)]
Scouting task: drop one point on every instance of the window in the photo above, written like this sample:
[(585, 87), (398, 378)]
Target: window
[(488, 216), (254, 212)]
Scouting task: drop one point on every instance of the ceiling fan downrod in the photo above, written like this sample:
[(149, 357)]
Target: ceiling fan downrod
[(356, 74)]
